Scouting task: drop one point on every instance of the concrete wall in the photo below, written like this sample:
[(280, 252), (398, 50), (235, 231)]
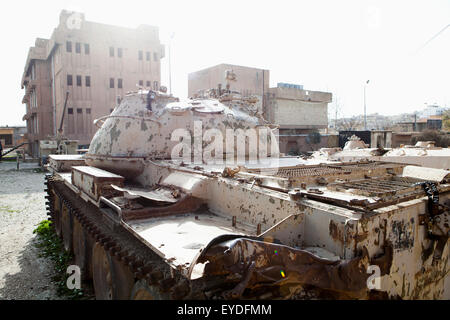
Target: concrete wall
[(300, 114), (249, 81), (299, 143), (296, 108), (381, 139), (403, 138)]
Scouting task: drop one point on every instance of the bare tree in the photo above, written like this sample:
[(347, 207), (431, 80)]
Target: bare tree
[(351, 123), (336, 111)]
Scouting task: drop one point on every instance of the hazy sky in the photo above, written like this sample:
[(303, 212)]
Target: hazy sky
[(325, 45)]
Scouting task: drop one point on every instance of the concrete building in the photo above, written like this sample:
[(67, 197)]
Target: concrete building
[(12, 136), (249, 81), (430, 123), (431, 110), (299, 113), (96, 63), (293, 108)]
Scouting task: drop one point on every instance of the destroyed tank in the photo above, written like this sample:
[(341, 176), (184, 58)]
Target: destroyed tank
[(423, 153), (149, 215)]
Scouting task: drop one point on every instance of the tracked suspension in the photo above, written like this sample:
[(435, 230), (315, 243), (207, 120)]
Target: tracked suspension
[(143, 266)]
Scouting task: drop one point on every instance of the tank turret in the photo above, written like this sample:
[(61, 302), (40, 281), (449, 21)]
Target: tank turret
[(155, 125)]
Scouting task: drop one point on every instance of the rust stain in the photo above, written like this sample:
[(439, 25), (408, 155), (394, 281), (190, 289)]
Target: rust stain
[(336, 232), (259, 267)]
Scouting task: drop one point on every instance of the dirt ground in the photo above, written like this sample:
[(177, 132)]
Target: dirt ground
[(23, 274)]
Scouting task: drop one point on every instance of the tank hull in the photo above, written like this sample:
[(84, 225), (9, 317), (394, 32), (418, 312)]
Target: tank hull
[(294, 237)]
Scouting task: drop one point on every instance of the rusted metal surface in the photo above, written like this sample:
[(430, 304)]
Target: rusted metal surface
[(326, 173), (186, 203), (159, 194), (285, 271), (313, 240), (64, 162), (95, 182), (189, 234)]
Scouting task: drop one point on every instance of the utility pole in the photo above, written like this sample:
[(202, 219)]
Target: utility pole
[(365, 115), (336, 113)]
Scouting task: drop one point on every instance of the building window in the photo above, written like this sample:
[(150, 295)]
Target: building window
[(111, 51), (119, 52), (78, 81), (79, 110), (111, 82), (140, 54), (148, 84), (147, 54), (33, 72), (155, 56), (78, 47), (86, 48), (70, 111), (88, 110), (88, 81), (69, 79), (141, 82), (155, 85), (119, 83), (68, 46), (8, 139)]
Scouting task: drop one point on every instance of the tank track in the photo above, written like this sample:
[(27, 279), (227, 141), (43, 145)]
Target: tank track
[(143, 263)]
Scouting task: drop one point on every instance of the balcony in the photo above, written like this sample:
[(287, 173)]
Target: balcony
[(30, 112), (31, 84)]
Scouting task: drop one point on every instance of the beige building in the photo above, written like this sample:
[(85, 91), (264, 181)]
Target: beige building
[(293, 108), (12, 136), (298, 112), (249, 81), (96, 63)]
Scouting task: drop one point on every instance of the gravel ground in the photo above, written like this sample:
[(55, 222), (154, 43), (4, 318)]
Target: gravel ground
[(23, 274)]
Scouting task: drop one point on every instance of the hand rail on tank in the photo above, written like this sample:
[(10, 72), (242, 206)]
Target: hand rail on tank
[(102, 119)]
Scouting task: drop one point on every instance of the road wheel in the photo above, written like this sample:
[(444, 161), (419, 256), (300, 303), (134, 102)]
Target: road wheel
[(82, 249), (101, 273), (66, 227), (57, 215), (143, 291), (123, 280), (112, 280)]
